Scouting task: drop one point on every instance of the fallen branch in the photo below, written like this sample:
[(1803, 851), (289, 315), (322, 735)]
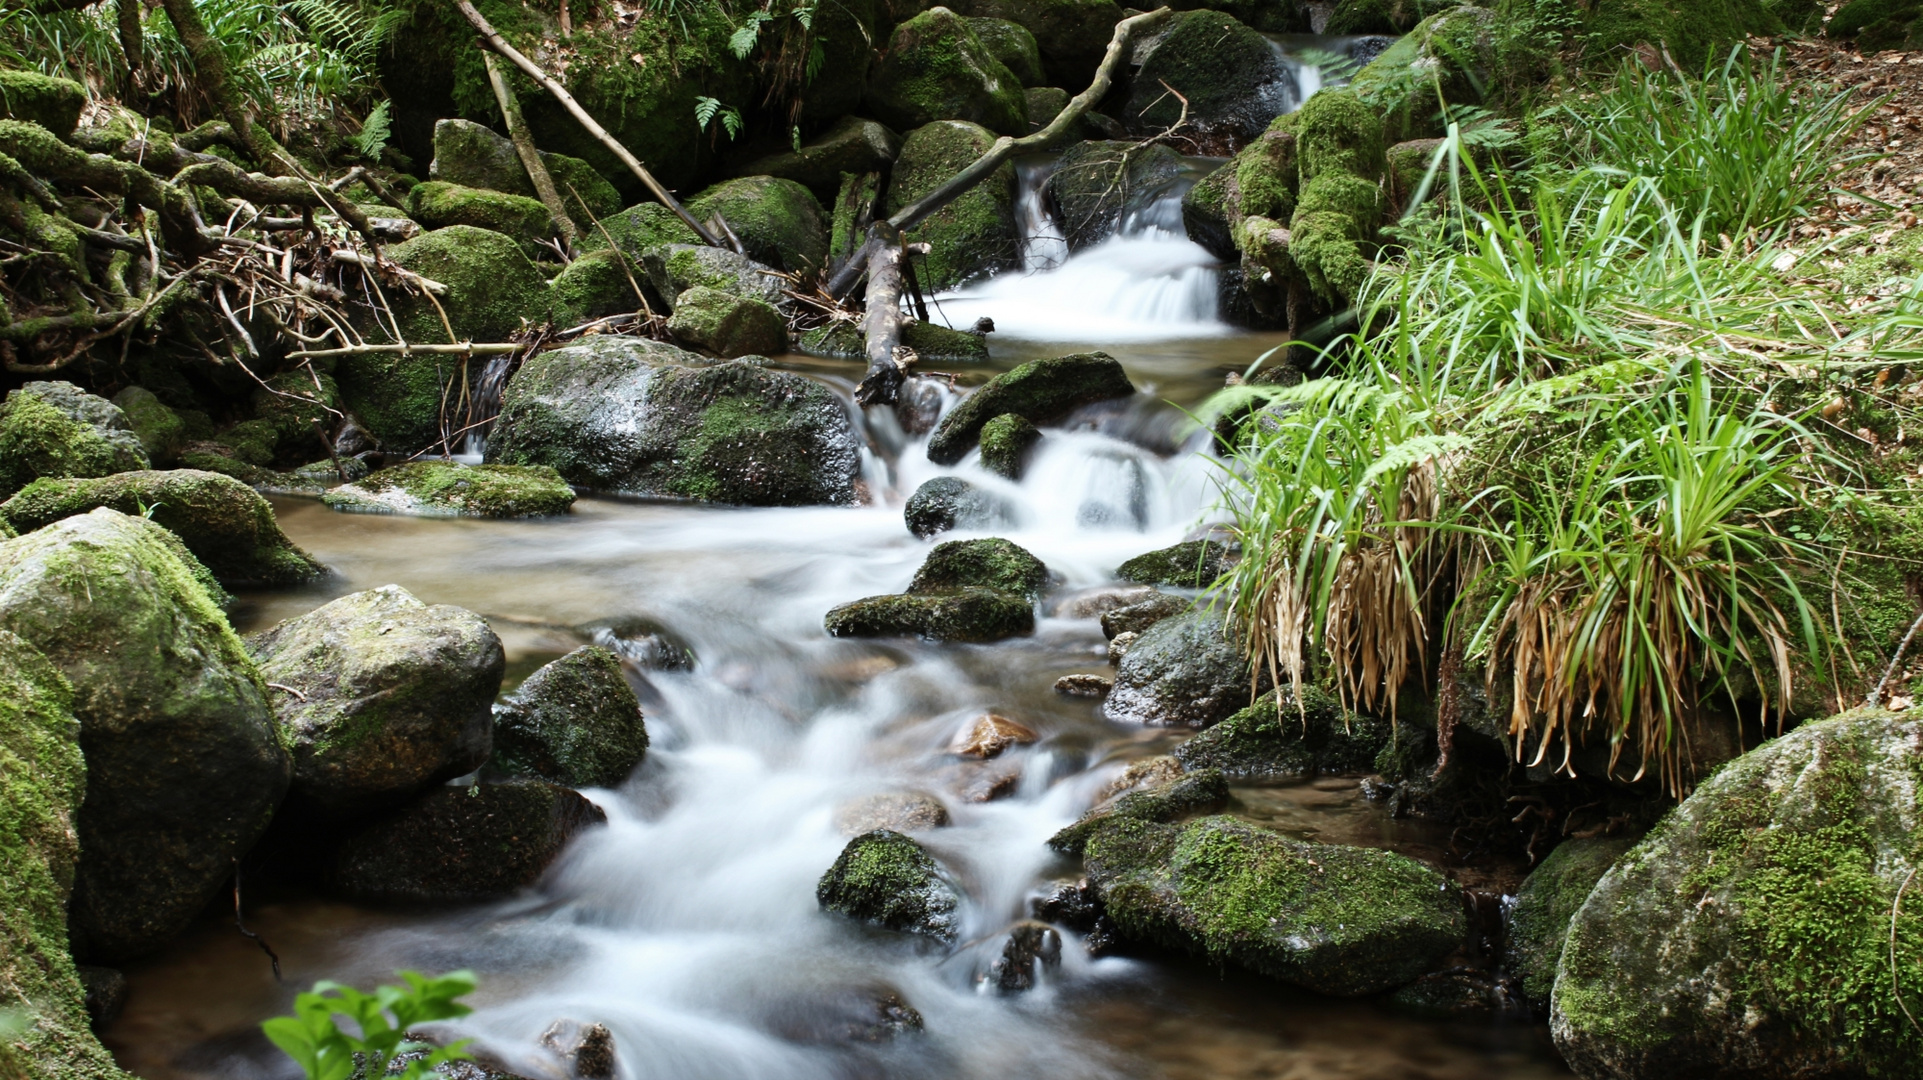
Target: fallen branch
[(882, 326), (368, 262), (524, 146), (464, 348)]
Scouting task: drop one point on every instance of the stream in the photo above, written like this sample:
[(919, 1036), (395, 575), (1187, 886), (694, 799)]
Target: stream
[(688, 925)]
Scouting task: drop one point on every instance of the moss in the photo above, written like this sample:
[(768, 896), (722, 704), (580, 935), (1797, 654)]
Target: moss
[(935, 68), (939, 344), (437, 204), (726, 325), (52, 103), (975, 234), (296, 403), (1344, 194), (1042, 391), (1203, 791), (1283, 735), (1327, 251), (37, 439), (963, 615), (1266, 178), (1207, 208), (595, 285), (575, 721), (1336, 132), (778, 221), (450, 489), (1011, 43), (991, 564), (1548, 899), (636, 229), (887, 879), (1226, 70), (1854, 17), (1005, 444), (1193, 564), (736, 438), (585, 193), (161, 431)]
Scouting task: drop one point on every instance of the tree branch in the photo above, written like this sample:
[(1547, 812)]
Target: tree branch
[(524, 146)]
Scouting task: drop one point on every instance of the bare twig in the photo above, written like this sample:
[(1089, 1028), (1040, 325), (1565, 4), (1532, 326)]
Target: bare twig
[(464, 348), (1876, 695)]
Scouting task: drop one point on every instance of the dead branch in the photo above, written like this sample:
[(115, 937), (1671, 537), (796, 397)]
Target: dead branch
[(881, 328), (463, 348), (524, 146), (366, 262)]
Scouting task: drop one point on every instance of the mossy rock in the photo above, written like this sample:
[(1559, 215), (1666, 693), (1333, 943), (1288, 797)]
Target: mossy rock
[(935, 68), (637, 229), (778, 221), (1354, 17), (1190, 794), (1005, 442), (255, 442), (1072, 34), (888, 880), (1857, 16), (1044, 104), (932, 342), (1012, 44), (575, 721), (1289, 734), (949, 502), (976, 234), (1337, 132), (1183, 671), (845, 36), (230, 529), (1096, 183), (158, 677), (390, 696), (964, 615), (1210, 210), (295, 405), (1192, 564), (1694, 34), (852, 145), (595, 285), (1142, 614), (451, 489), (644, 417), (52, 103), (1327, 249), (727, 325), (1539, 920), (56, 429), (675, 268), (474, 156), (1268, 16), (1751, 933), (161, 431), (1233, 77), (1041, 391), (993, 563), (437, 204)]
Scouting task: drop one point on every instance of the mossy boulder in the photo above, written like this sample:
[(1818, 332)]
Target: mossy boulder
[(595, 285), (1288, 734), (888, 880), (57, 429), (1539, 920), (727, 325), (1187, 795), (575, 721), (1268, 16), (389, 696), (976, 234), (461, 844), (779, 222), (852, 145), (639, 416), (993, 563), (949, 502), (1754, 932), (1183, 671), (161, 431), (966, 590), (1454, 54), (1072, 34), (1234, 79), (52, 103), (1012, 44), (1191, 564), (1096, 183), (1352, 17), (230, 529), (451, 489), (1005, 442), (437, 204), (935, 68), (474, 156), (1040, 391), (1343, 921), (636, 229), (158, 677), (675, 268), (1857, 16), (295, 406), (1694, 35)]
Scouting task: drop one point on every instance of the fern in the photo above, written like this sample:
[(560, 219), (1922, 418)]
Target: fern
[(707, 110), (375, 131), (743, 40)]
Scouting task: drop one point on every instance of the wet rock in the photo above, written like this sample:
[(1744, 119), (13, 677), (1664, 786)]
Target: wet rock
[(949, 502), (886, 879), (437, 204), (158, 676), (595, 285), (1005, 443), (1029, 949), (1041, 391), (58, 430), (852, 145), (1072, 34), (1137, 616), (1083, 686), (585, 1050), (451, 489), (474, 156), (932, 344), (1118, 646), (899, 811), (161, 431), (857, 1014), (675, 268), (385, 696), (1103, 939), (1188, 794), (1539, 920), (1286, 735), (973, 236), (575, 721), (642, 642), (980, 783), (727, 325), (1097, 183), (638, 416), (967, 615), (1343, 921), (1073, 904), (638, 230), (993, 563), (779, 222), (988, 735), (1235, 81), (1456, 994), (461, 844), (1192, 564), (1012, 44), (1096, 602), (1147, 773), (228, 527), (1182, 672), (105, 992), (936, 68)]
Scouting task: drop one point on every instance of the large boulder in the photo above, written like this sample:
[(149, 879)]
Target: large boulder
[(575, 721), (1096, 183), (158, 677), (640, 416), (1040, 391), (1234, 78), (461, 844), (988, 564), (42, 779), (1016, 48), (976, 234), (57, 429), (886, 879), (727, 325), (949, 502), (451, 489), (1288, 734), (1073, 34), (637, 229), (852, 145), (471, 155), (675, 268), (966, 590), (779, 222), (1761, 930), (1344, 921), (1538, 922), (1181, 672), (225, 523), (438, 204), (597, 284), (1185, 795), (387, 696), (935, 68)]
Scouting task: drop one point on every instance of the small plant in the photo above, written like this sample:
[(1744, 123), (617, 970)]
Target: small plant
[(375, 131), (379, 1021)]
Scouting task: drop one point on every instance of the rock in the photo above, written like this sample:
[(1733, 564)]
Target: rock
[(1072, 34), (840, 1016), (1277, 738), (636, 230), (643, 417), (575, 721), (642, 642), (675, 268), (1233, 77), (886, 879), (899, 811), (935, 68), (294, 405), (1342, 921), (1538, 921), (461, 844), (1192, 564), (1073, 904), (965, 615), (595, 285), (973, 236), (1005, 443), (451, 489), (990, 564), (1457, 994), (1029, 949), (1137, 617), (988, 735), (983, 783), (1340, 155), (1750, 934), (1455, 52), (1186, 795), (1097, 183), (57, 429), (852, 145), (1118, 646), (388, 696), (1182, 672), (229, 528), (1040, 391), (106, 993), (160, 430), (1083, 686), (158, 676), (1352, 17), (436, 205), (1148, 772), (471, 155), (949, 502), (1268, 16), (42, 780), (1012, 45), (778, 221), (52, 103), (1044, 103), (1095, 602), (586, 1050), (726, 325), (932, 343)]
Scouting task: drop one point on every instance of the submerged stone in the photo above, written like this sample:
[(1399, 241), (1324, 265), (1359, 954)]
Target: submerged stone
[(451, 489), (886, 879)]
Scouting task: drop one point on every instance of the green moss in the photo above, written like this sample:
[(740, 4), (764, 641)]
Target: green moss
[(778, 221), (727, 325), (732, 437), (1857, 15), (1326, 249), (1010, 43), (52, 103), (1193, 564), (991, 564), (1337, 133), (975, 234), (1345, 194), (446, 488), (37, 439), (255, 442), (1042, 391), (1283, 735), (575, 721), (437, 204), (935, 68), (585, 193), (962, 615), (1548, 899), (595, 285), (1203, 791), (161, 430), (1266, 177), (1005, 444), (885, 878), (636, 229), (939, 344), (296, 403)]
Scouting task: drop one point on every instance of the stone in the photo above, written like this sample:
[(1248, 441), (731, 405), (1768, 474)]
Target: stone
[(1335, 920), (1093, 603), (980, 782), (932, 343), (451, 489), (1184, 795), (1040, 391), (1072, 903), (1457, 994), (638, 229), (106, 992), (845, 1016), (965, 615), (988, 735), (935, 68), (975, 235), (990, 564), (646, 418), (585, 1050), (595, 285), (1006, 441), (1118, 646), (57, 429), (51, 102), (899, 811), (1148, 772), (1288, 734), (1550, 896), (1072, 34), (1234, 79), (576, 721), (1012, 45), (160, 429), (230, 529), (437, 204), (1097, 183), (158, 676), (1268, 16), (1192, 564), (458, 845), (726, 325), (779, 222), (387, 696), (675, 268), (1029, 949), (1182, 672), (949, 502), (888, 880), (474, 156), (1751, 933), (1083, 686), (1044, 103), (1137, 617), (641, 642)]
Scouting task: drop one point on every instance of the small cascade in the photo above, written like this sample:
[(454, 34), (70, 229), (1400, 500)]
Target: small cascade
[(485, 404), (1043, 245)]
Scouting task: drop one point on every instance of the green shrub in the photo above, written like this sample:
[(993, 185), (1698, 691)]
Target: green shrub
[(325, 1051)]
